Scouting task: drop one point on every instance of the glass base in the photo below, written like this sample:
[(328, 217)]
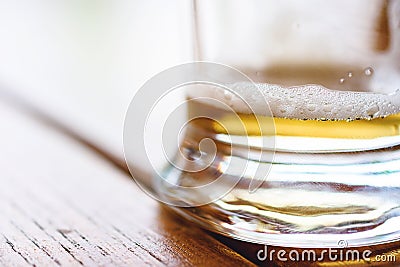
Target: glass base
[(243, 232), (314, 191), (347, 199)]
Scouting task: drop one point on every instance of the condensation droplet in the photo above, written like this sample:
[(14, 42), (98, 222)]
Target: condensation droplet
[(349, 74), (228, 95), (368, 71), (342, 80)]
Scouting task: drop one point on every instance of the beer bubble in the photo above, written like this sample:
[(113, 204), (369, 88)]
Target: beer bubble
[(315, 101), (349, 74), (349, 108), (327, 108), (312, 107), (373, 110), (341, 80), (368, 71)]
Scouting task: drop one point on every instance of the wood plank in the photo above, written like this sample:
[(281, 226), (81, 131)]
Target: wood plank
[(63, 204)]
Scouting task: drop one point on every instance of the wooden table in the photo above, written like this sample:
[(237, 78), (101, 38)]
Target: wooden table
[(65, 201)]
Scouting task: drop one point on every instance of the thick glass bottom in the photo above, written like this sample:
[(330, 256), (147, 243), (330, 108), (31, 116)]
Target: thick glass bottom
[(308, 199)]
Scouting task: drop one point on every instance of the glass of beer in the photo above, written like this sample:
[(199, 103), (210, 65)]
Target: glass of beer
[(330, 72)]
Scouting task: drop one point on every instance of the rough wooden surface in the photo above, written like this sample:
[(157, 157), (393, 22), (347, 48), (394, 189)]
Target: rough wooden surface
[(63, 204)]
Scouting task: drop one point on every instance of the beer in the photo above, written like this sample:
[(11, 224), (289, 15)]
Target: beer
[(309, 111), (359, 128), (333, 172)]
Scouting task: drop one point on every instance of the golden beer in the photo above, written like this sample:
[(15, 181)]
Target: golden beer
[(332, 176)]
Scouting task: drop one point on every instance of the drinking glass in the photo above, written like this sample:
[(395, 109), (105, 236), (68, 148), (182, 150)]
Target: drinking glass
[(330, 72)]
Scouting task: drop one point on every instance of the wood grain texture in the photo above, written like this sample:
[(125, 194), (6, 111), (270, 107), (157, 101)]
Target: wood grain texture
[(61, 204)]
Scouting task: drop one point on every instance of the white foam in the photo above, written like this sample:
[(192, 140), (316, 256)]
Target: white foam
[(305, 102)]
